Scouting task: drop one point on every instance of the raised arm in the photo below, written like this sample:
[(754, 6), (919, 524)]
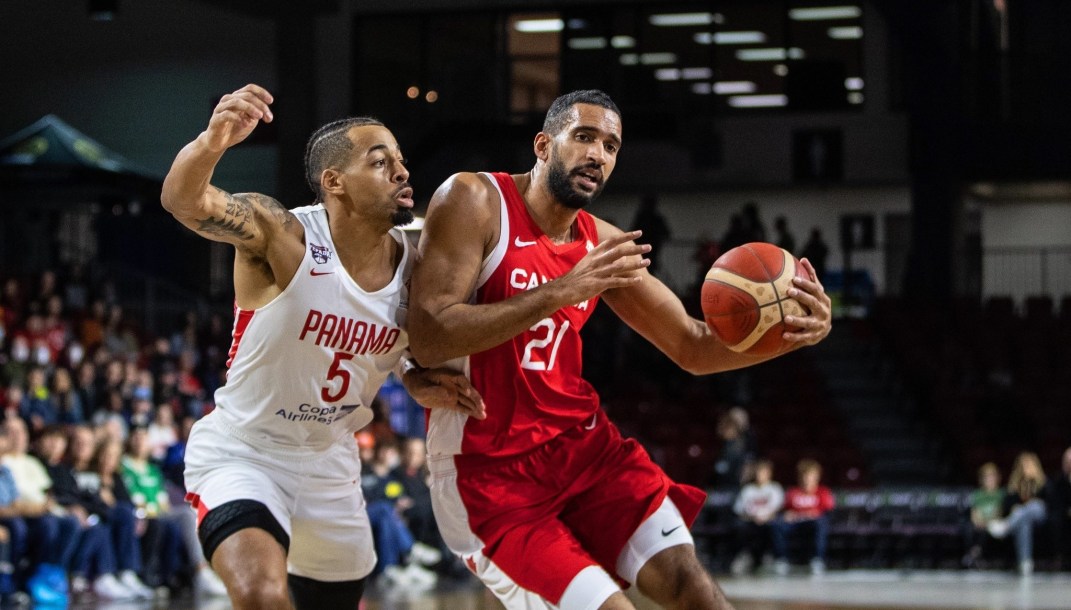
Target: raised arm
[(243, 220), (654, 311), (460, 228)]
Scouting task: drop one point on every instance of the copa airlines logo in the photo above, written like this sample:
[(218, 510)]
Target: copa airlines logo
[(320, 254), (325, 415), (349, 335)]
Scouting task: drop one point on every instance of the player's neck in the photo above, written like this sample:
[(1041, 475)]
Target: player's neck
[(367, 251), (554, 219)]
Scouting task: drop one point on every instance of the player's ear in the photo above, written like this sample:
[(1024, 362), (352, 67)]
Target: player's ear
[(331, 181), (541, 146)]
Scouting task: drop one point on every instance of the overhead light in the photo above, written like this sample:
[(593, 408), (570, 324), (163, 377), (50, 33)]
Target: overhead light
[(780, 70), (758, 101), (848, 32), (577, 24), (701, 88), (648, 59), (822, 13), (734, 87), (531, 26), (583, 44), (743, 37), (622, 42), (853, 83), (855, 97), (769, 54), (653, 59), (682, 19), (696, 73), (667, 74)]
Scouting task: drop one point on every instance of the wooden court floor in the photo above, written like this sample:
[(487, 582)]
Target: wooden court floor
[(872, 590)]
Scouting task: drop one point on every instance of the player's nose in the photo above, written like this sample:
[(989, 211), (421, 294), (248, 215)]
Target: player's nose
[(401, 174)]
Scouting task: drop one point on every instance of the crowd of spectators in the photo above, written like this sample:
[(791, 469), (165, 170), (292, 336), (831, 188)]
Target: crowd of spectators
[(107, 407), (95, 414)]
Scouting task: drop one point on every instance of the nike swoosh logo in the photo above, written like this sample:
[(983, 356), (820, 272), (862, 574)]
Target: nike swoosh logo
[(315, 273), (665, 533), (522, 244), (594, 420)]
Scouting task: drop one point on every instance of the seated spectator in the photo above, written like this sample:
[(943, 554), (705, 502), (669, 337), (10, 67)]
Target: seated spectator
[(1026, 507), (174, 462), (391, 536), (163, 433), (109, 509), (415, 503), (1061, 495), (735, 454), (987, 506), (51, 537), (13, 533), (37, 407), (113, 491), (175, 525), (94, 555), (806, 506), (756, 507), (68, 402)]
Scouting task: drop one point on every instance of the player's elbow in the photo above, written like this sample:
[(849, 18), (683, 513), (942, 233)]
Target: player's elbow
[(424, 341)]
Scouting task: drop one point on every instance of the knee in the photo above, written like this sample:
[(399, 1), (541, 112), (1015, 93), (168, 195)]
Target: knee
[(257, 592)]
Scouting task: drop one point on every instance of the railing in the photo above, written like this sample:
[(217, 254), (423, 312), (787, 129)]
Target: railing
[(1022, 272)]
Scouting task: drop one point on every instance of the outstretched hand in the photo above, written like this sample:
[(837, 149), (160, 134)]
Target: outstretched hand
[(443, 388), (236, 115), (611, 264), (810, 293)]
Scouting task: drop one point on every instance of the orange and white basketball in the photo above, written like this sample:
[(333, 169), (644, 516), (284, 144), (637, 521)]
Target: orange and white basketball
[(745, 298)]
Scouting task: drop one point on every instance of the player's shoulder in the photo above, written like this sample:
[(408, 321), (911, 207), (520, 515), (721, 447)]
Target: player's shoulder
[(464, 186), (466, 193)]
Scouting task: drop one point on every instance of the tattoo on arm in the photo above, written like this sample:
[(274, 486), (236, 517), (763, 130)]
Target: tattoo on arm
[(238, 216), (276, 209)]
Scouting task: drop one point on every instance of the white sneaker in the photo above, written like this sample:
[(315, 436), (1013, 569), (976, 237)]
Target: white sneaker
[(419, 577), (107, 587), (818, 567), (780, 567), (424, 554), (207, 583), (741, 565), (131, 581), (997, 528), (395, 577), (79, 585)]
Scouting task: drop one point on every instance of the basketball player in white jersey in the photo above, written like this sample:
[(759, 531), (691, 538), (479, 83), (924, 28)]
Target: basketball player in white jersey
[(544, 500), (320, 298)]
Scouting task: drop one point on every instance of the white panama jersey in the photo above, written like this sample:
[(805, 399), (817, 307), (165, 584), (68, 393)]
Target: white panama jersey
[(303, 369)]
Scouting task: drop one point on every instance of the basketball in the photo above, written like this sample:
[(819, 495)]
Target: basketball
[(745, 298)]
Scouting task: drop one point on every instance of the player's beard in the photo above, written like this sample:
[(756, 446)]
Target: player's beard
[(401, 216), (560, 185)]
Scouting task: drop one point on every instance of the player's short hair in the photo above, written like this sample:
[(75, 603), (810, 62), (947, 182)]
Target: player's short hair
[(558, 114), (328, 146)]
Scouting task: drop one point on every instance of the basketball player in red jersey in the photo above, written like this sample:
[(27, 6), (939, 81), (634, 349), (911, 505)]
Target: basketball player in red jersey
[(544, 500), (321, 294)]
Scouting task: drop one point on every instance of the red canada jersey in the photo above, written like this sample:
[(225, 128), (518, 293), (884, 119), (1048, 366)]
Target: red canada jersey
[(531, 385)]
